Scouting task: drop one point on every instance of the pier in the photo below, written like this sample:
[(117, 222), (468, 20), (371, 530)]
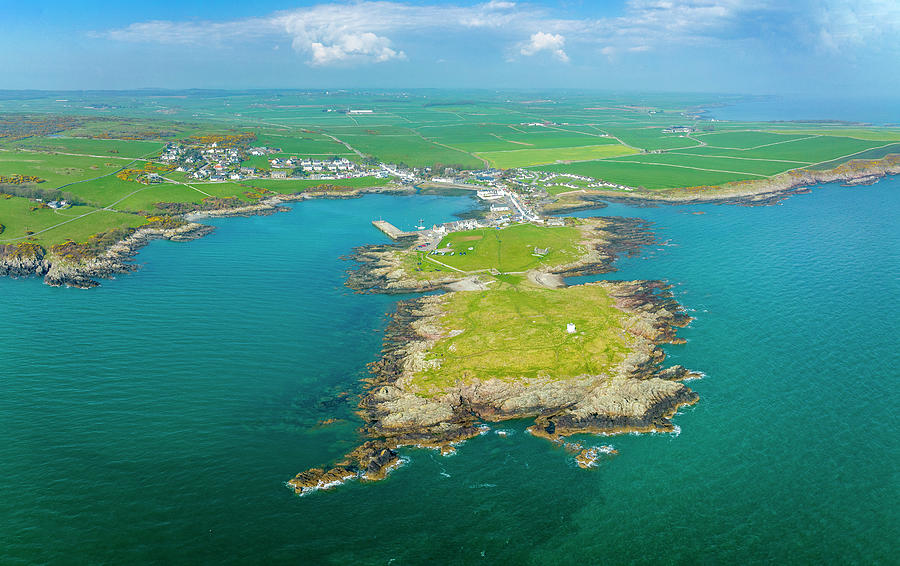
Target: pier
[(392, 231)]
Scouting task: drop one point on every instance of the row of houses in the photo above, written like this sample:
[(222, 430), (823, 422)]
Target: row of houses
[(313, 165)]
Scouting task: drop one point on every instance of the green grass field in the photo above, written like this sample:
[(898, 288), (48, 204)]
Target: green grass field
[(877, 153), (298, 185), (874, 134), (515, 332), (509, 249), (806, 149), (644, 175), (649, 137), (53, 227), (409, 149), (529, 157), (303, 143), (104, 148), (56, 169), (745, 140), (148, 195), (751, 167), (470, 129)]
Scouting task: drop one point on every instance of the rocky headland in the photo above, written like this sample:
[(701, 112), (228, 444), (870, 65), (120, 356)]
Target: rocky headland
[(636, 395), (59, 266), (72, 265)]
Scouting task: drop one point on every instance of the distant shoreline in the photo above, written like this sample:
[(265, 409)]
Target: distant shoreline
[(26, 259), (759, 192)]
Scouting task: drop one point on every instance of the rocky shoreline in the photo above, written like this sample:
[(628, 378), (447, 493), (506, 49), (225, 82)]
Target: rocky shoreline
[(762, 192), (381, 268), (27, 260), (638, 395)]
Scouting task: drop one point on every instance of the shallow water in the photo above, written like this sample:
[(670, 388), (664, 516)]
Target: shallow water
[(156, 418)]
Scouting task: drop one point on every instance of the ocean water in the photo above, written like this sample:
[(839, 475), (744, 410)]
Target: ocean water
[(878, 110), (155, 419)]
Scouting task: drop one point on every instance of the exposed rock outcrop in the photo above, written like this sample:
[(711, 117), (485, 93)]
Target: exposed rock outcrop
[(117, 258), (636, 395)]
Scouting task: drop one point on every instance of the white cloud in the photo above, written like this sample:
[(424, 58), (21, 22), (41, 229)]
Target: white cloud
[(865, 22), (373, 31), (351, 47), (553, 43)]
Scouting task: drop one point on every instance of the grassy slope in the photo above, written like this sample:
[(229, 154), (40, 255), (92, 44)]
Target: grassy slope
[(520, 331)]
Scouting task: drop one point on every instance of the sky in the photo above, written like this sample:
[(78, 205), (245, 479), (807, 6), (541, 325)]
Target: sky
[(731, 46)]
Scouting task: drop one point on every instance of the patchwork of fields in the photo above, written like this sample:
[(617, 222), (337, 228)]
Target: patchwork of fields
[(80, 143)]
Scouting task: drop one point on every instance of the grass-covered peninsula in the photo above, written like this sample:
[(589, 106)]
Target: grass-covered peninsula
[(514, 345)]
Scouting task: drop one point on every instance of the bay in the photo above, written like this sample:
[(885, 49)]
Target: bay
[(155, 419)]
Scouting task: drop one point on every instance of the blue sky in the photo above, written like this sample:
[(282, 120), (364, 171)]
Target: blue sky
[(750, 46)]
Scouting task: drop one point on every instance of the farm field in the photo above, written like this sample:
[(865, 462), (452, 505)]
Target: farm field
[(746, 139), (114, 149), (147, 196), (875, 134), (515, 332), (577, 134), (482, 138), (412, 150), (56, 169), (876, 153), (807, 149), (643, 175), (52, 227), (649, 137), (751, 167), (303, 144), (529, 157)]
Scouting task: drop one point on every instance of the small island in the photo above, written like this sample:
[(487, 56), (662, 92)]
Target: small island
[(503, 345)]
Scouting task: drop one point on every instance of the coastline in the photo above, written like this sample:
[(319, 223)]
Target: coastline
[(760, 192), (28, 259), (32, 260), (381, 266), (637, 395)]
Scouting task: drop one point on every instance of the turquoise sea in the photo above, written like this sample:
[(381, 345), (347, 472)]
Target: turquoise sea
[(154, 420), (878, 110)]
